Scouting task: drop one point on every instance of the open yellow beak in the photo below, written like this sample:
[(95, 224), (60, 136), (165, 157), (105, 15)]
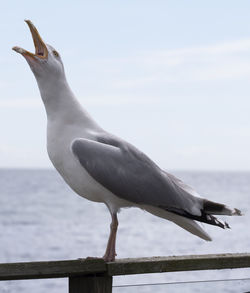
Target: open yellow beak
[(41, 50)]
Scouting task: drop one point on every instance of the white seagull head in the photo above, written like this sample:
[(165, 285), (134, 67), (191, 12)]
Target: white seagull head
[(46, 62)]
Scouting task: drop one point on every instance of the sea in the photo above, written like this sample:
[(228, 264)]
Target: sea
[(41, 219)]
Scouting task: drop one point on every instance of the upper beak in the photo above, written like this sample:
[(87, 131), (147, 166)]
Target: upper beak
[(41, 50)]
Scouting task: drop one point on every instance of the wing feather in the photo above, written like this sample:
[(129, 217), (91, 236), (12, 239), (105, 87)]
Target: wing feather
[(131, 175)]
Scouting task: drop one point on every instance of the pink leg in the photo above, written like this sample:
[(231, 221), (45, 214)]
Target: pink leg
[(110, 250)]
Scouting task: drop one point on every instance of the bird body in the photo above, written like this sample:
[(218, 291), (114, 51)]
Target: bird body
[(104, 168), (65, 124)]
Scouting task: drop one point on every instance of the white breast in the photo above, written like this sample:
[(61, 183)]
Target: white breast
[(63, 159)]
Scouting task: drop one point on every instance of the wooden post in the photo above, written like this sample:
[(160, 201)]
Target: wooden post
[(90, 284)]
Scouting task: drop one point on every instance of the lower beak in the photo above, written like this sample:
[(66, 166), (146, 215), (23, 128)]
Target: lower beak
[(41, 50)]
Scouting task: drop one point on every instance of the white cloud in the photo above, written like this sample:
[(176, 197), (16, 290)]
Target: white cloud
[(120, 76), (108, 100), (20, 103), (222, 61), (215, 49)]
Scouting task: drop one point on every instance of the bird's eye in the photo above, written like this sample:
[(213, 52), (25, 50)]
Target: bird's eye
[(56, 53)]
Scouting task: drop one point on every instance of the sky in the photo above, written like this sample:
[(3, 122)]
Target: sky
[(171, 77)]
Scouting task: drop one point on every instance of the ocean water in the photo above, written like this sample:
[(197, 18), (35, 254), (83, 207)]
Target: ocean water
[(41, 218)]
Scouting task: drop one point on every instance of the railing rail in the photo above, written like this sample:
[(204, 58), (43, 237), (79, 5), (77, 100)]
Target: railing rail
[(95, 275)]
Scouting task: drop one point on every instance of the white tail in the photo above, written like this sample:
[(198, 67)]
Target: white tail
[(185, 223)]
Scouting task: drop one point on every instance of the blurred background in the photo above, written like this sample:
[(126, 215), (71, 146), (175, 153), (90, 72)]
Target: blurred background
[(171, 77)]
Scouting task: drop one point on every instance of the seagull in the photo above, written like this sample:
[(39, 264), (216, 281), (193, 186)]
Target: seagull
[(104, 168)]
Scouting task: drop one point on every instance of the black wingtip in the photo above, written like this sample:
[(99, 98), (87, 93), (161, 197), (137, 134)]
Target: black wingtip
[(237, 212)]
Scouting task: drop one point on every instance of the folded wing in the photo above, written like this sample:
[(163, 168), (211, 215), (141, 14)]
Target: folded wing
[(131, 175)]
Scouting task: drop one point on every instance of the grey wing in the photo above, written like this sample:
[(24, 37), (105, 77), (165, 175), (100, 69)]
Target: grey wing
[(131, 175)]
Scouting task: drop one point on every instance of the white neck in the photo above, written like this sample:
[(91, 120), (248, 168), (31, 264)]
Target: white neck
[(61, 104)]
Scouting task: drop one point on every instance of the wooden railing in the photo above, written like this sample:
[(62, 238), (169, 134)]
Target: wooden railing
[(95, 275)]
